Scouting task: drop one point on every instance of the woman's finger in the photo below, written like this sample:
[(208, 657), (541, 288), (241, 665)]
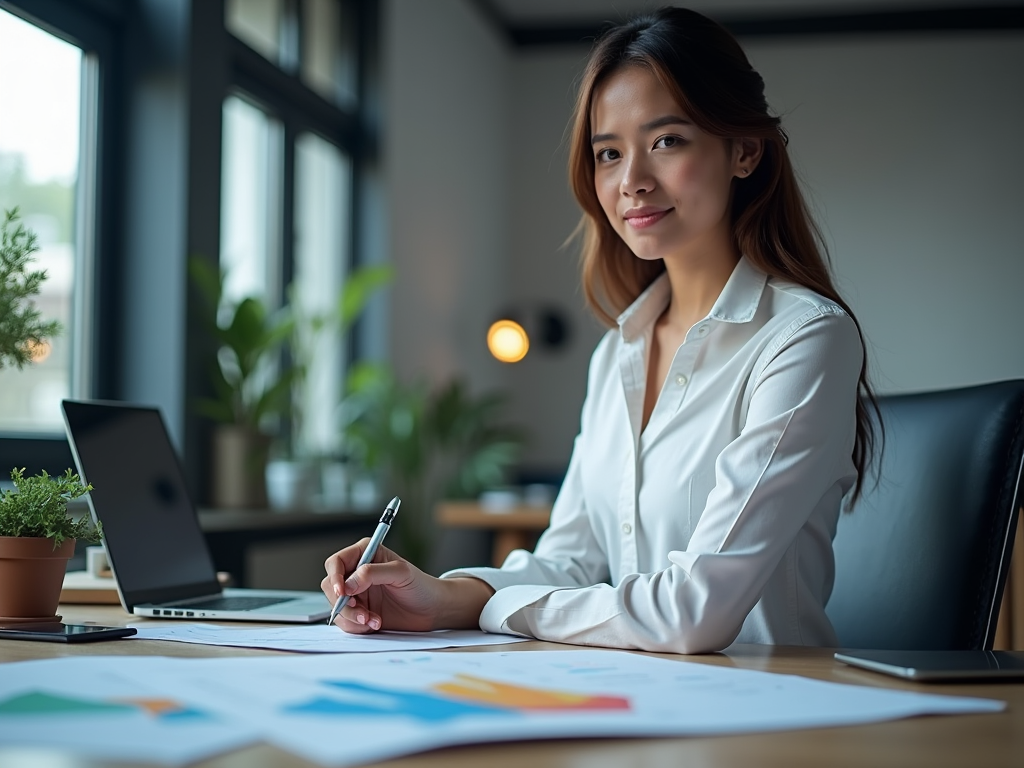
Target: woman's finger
[(396, 573), (340, 564), (358, 614)]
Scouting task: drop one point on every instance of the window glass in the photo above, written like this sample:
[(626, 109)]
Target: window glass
[(40, 130), (328, 51), (250, 230), (258, 23), (323, 178)]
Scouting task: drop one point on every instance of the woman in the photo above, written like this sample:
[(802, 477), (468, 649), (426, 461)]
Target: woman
[(722, 425)]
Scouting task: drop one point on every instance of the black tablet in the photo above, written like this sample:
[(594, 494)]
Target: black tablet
[(939, 665), (55, 632)]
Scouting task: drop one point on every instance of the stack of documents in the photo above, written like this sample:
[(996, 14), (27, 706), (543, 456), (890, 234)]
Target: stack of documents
[(379, 706)]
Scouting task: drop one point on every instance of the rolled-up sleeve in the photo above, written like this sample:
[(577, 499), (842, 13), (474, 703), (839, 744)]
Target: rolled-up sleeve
[(792, 451)]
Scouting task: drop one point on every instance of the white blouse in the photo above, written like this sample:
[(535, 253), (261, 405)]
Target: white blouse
[(714, 524)]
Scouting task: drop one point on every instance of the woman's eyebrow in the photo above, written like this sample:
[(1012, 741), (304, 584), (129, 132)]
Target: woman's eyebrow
[(658, 122)]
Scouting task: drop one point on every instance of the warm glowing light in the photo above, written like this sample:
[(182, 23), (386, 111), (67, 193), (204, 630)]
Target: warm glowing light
[(508, 341), (38, 350)]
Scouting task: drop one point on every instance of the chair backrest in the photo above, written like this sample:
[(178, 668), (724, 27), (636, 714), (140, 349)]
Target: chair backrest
[(922, 559)]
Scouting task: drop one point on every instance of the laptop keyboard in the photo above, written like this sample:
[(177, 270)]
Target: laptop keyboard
[(237, 603)]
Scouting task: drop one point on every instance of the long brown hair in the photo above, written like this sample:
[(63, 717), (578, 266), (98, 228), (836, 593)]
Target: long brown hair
[(705, 69)]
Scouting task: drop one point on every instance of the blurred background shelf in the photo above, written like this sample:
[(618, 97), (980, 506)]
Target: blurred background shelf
[(514, 528)]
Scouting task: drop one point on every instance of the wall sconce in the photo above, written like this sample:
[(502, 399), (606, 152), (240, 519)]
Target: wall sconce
[(510, 337)]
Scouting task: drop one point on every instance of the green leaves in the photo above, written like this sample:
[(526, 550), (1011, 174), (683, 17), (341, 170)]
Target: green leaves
[(21, 329), (249, 381), (424, 443), (359, 288), (38, 507)]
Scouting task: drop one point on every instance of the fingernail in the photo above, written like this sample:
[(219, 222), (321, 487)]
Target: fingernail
[(374, 623), (361, 618), (350, 583), (337, 590)]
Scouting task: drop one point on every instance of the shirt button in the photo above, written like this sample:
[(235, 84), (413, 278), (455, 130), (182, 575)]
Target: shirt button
[(702, 330), (681, 380), (627, 528)]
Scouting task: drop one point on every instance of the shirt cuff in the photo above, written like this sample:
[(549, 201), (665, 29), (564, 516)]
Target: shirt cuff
[(508, 599)]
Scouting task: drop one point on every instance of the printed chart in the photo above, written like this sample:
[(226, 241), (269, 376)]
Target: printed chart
[(378, 706)]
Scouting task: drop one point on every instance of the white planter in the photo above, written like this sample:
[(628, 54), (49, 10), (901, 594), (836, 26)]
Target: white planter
[(334, 485), (289, 485)]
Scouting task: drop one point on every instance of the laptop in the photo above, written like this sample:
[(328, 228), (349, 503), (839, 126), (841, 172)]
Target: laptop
[(157, 551)]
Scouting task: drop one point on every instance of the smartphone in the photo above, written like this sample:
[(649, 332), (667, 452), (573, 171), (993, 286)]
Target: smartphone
[(55, 632), (939, 665)]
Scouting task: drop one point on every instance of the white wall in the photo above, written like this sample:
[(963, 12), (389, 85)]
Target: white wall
[(548, 385), (909, 146), (446, 74)]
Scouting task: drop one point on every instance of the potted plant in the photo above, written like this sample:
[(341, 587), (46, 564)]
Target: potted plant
[(37, 538), (246, 388), (254, 391), (425, 443)]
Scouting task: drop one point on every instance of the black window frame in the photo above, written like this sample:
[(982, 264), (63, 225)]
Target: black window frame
[(94, 26)]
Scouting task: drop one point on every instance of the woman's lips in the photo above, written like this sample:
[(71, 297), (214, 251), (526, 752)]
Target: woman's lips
[(645, 218)]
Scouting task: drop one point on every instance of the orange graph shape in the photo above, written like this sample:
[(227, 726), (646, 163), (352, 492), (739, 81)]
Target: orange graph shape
[(155, 707), (469, 688)]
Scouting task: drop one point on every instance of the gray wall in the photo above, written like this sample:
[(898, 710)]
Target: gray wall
[(908, 147), (906, 144), (446, 74)]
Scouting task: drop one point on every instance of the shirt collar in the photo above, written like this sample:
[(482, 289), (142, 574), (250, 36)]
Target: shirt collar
[(737, 302)]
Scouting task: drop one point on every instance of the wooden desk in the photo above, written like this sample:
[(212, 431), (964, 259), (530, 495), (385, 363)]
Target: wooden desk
[(515, 528), (995, 740)]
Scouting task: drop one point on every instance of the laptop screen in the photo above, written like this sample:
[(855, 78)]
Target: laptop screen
[(153, 539)]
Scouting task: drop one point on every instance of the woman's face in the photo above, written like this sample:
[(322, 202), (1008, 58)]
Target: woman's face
[(663, 183)]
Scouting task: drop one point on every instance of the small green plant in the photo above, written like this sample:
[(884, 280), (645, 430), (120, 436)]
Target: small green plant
[(425, 443), (22, 331), (38, 507)]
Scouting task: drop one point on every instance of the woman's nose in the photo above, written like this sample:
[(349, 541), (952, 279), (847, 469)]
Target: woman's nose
[(636, 178)]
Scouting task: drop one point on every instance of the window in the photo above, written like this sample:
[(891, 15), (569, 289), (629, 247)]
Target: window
[(322, 235), (47, 146), (328, 53), (258, 23), (250, 234), (291, 155)]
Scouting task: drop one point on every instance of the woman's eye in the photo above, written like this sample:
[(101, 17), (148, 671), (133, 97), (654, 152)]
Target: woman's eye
[(607, 155), (667, 141)]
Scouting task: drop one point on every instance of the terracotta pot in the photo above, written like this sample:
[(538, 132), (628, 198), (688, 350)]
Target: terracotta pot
[(31, 576), (239, 464)]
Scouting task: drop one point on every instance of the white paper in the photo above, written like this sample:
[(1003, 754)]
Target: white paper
[(318, 638), (102, 708), (375, 707)]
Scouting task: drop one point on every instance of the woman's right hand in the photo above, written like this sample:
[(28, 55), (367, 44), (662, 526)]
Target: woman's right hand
[(392, 593)]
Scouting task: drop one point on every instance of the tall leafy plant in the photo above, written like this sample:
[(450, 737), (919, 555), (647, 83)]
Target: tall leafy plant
[(22, 330), (250, 380), (248, 337)]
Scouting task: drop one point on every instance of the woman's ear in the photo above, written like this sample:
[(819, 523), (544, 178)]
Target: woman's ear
[(746, 154)]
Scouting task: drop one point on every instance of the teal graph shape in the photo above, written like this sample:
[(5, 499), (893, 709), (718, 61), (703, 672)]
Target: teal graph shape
[(373, 701), (36, 703)]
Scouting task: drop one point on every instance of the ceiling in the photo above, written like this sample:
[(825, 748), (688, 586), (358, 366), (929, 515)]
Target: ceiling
[(519, 13), (560, 22)]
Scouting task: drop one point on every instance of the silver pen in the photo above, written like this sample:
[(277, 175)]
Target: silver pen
[(383, 527)]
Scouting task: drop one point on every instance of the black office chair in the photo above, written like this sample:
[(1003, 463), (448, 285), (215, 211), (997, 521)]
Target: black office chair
[(922, 559)]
